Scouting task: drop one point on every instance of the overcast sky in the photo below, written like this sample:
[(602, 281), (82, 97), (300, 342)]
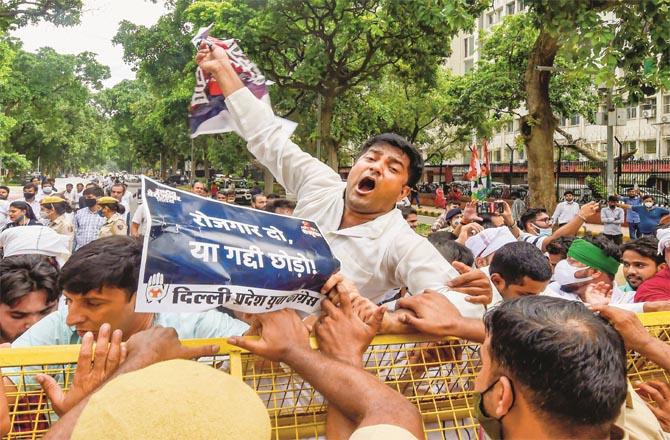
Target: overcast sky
[(99, 24)]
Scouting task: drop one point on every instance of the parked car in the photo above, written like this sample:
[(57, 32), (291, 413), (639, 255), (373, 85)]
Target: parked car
[(176, 180), (242, 191)]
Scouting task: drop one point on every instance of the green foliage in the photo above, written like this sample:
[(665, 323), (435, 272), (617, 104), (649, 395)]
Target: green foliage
[(596, 186), (52, 112), (14, 164), (17, 13), (338, 50)]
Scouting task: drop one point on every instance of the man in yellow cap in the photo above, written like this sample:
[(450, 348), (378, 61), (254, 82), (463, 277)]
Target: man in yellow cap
[(115, 224)]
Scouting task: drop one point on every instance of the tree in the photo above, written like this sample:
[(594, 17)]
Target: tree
[(163, 57), (329, 47), (17, 13), (55, 119), (552, 59)]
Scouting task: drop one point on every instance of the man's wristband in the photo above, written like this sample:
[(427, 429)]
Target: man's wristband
[(582, 217)]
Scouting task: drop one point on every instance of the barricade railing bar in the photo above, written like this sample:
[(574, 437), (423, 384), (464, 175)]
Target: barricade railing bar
[(435, 375)]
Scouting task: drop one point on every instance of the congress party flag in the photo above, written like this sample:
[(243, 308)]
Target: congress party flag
[(201, 254), (208, 112)]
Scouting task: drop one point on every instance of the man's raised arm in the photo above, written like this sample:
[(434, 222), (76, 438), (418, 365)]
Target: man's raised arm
[(294, 169), (572, 227)]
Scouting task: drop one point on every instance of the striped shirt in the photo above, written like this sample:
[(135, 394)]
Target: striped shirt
[(87, 226)]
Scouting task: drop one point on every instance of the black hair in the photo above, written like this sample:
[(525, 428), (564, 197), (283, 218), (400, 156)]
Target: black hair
[(613, 199), (60, 207), (415, 158), (560, 246), (6, 188), (272, 196), (647, 196), (107, 262), (123, 185), (450, 249), (520, 259), (486, 220), (116, 207), (406, 211), (93, 191), (530, 215), (255, 197), (607, 246), (30, 186), (69, 184), (276, 204), (568, 192), (572, 362), (515, 194), (24, 207), (646, 246), (22, 274)]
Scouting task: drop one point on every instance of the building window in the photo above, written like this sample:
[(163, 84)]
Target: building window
[(574, 120), (628, 146), (469, 46), (631, 112), (510, 8), (509, 128), (649, 108), (520, 6), (490, 18), (468, 65), (649, 146), (667, 149), (666, 104), (496, 156)]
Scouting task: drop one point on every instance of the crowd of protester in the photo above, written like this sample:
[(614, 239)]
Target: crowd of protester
[(554, 312)]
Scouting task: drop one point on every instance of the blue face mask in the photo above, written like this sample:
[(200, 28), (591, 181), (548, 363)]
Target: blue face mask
[(101, 214)]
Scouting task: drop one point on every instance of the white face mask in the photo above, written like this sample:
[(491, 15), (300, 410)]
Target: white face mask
[(648, 204), (543, 232), (564, 274)]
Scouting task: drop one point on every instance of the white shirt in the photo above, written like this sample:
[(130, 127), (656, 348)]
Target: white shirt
[(377, 256), (621, 299), (565, 212)]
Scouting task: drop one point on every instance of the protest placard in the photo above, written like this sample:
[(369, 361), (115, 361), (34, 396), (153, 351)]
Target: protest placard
[(208, 113), (201, 254)]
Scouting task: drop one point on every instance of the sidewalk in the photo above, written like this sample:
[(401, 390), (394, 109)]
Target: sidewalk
[(593, 228)]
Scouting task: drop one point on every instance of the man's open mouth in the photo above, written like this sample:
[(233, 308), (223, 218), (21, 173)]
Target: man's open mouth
[(366, 184)]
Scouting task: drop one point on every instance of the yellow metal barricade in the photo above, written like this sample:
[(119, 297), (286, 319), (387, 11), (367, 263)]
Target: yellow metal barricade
[(437, 376)]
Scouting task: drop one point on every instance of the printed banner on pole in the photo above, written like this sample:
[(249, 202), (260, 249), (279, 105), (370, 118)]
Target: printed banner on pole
[(209, 114), (201, 254)]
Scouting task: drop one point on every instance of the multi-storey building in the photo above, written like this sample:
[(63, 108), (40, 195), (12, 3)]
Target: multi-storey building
[(647, 126)]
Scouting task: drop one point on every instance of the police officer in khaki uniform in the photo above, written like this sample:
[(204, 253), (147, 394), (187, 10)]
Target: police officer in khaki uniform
[(54, 209), (115, 224)]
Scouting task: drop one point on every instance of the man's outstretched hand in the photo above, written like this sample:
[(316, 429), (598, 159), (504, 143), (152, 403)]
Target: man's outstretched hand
[(472, 282), (90, 373), (281, 332), (343, 333), (213, 60)]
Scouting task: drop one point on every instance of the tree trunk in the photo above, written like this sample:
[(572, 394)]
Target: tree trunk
[(206, 161), (268, 180), (327, 141), (539, 125), (162, 166)]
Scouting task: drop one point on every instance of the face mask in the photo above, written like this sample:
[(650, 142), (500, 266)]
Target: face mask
[(648, 204), (564, 274), (44, 215), (47, 190), (543, 232), (491, 425), (89, 203), (101, 214), (28, 196)]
